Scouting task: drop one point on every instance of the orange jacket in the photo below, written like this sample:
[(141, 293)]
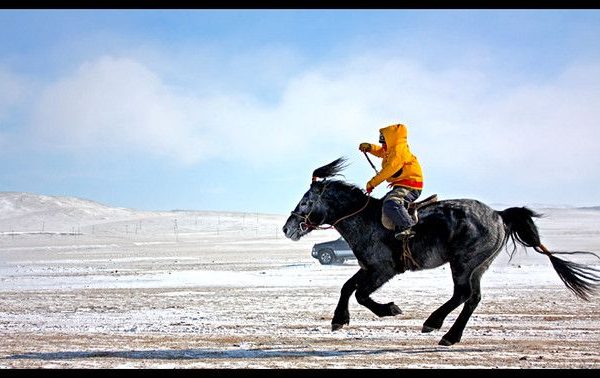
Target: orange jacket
[(399, 166)]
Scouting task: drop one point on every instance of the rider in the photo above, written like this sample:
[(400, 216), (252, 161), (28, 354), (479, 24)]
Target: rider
[(401, 169)]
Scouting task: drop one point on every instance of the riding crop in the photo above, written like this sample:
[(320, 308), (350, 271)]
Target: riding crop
[(370, 162)]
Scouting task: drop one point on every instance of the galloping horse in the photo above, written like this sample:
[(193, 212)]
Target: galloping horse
[(466, 233)]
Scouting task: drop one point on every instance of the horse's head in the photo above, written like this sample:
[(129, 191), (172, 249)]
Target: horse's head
[(314, 208)]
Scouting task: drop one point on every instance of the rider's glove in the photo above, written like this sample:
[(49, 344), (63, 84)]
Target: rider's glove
[(369, 187), (365, 147)]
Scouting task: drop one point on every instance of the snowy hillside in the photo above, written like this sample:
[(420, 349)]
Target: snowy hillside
[(86, 285), (25, 215), (26, 212)]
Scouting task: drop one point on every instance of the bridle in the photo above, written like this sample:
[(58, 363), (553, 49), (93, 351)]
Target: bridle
[(306, 224)]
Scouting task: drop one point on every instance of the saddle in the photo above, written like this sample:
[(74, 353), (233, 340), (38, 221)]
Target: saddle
[(403, 260), (414, 206)]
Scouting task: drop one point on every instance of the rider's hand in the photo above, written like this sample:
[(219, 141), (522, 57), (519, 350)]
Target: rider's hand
[(369, 187), (365, 147)]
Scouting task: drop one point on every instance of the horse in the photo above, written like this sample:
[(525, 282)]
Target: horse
[(465, 233)]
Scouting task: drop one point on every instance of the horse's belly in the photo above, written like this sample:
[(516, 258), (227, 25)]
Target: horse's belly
[(433, 260)]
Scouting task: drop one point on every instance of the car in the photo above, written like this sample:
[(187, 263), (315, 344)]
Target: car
[(332, 252)]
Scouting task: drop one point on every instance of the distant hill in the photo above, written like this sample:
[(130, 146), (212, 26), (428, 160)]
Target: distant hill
[(33, 213), (502, 206), (18, 203), (33, 220), (27, 211), (596, 208)]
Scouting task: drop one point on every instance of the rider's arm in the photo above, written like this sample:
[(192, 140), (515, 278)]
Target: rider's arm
[(377, 150), (395, 162)]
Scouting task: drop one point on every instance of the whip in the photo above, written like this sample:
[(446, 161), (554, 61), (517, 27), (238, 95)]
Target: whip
[(370, 162)]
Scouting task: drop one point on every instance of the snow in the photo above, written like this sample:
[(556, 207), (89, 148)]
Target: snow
[(86, 285)]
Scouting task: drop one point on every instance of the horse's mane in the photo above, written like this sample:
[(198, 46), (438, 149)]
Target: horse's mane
[(332, 169), (352, 188)]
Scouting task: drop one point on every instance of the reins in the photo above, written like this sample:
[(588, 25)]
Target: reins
[(306, 223), (316, 227)]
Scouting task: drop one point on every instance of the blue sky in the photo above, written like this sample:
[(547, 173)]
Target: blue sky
[(232, 110)]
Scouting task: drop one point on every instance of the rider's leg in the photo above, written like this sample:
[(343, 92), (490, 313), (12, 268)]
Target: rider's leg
[(395, 205)]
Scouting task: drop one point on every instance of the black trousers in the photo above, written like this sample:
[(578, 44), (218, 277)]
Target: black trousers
[(395, 205)]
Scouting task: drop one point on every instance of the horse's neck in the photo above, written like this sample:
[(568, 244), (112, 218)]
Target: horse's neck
[(356, 228)]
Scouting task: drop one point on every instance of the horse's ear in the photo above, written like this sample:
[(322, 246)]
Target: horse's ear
[(317, 180), (318, 184)]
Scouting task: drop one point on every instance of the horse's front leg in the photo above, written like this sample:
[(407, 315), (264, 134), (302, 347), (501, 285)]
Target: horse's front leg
[(370, 281), (341, 315)]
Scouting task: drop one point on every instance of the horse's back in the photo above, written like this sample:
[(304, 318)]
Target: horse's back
[(461, 224), (458, 209)]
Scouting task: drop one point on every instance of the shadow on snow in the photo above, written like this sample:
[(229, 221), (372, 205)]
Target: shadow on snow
[(186, 354)]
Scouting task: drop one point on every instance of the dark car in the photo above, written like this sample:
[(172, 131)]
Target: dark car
[(332, 252)]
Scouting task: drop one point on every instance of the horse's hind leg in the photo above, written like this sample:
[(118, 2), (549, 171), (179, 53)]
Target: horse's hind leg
[(467, 289), (371, 281), (455, 333), (465, 273), (341, 315), (462, 292)]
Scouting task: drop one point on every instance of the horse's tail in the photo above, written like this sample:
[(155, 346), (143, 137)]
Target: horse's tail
[(580, 279)]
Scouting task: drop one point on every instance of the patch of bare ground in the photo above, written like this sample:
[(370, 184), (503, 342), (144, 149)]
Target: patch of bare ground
[(209, 302), (237, 328)]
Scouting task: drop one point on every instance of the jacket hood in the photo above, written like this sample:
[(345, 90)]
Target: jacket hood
[(394, 134)]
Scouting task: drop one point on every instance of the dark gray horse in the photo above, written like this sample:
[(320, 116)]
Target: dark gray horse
[(463, 232)]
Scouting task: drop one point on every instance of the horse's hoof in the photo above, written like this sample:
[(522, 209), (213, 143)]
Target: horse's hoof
[(335, 327), (395, 310), (427, 329), (445, 342)]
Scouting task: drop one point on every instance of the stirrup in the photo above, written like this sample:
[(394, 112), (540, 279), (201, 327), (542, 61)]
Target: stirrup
[(406, 234)]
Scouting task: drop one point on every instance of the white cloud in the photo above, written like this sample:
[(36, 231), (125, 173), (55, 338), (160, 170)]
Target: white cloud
[(457, 119), (12, 91), (550, 130), (115, 103)]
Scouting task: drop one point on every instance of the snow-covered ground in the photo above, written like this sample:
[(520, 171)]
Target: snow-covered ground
[(86, 285)]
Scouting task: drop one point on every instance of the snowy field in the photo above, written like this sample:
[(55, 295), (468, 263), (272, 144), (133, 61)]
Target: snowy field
[(87, 286)]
